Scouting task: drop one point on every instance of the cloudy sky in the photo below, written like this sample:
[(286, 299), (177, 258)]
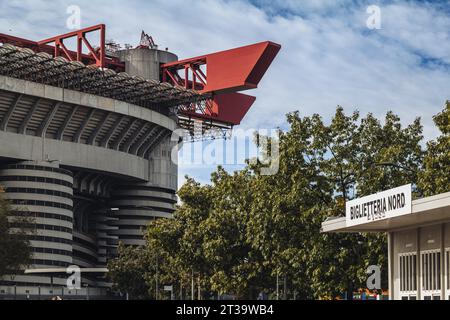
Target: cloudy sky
[(329, 56)]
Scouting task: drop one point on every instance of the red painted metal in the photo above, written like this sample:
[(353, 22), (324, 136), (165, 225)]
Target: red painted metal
[(226, 72), (218, 75), (19, 42), (232, 107), (147, 41), (97, 54), (227, 108)]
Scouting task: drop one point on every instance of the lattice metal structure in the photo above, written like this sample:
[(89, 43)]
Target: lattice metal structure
[(24, 63)]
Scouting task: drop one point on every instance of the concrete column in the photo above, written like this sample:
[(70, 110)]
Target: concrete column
[(145, 62), (419, 266), (390, 237), (138, 204), (43, 192), (443, 284)]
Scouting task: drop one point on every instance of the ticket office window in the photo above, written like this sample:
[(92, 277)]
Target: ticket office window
[(407, 263), (431, 274)]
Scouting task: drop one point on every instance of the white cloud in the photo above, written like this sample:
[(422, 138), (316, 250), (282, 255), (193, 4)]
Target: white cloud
[(328, 55)]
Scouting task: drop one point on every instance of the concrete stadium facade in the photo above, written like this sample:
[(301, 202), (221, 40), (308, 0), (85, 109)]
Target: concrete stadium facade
[(86, 140), (90, 170)]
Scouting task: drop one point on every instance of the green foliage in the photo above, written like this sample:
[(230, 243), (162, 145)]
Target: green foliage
[(358, 158), (245, 231), (15, 250), (131, 271), (435, 177)]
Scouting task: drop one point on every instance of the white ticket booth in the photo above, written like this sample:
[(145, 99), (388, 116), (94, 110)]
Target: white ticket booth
[(418, 239)]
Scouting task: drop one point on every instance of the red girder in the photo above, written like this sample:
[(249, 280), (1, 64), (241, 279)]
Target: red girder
[(19, 42), (97, 57), (227, 72)]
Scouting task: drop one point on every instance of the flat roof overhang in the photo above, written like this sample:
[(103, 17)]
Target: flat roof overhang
[(425, 211)]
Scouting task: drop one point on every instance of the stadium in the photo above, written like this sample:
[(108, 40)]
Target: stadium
[(86, 136)]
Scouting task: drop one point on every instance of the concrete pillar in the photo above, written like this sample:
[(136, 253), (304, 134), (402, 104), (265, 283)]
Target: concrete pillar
[(145, 62), (390, 243), (43, 192), (139, 204)]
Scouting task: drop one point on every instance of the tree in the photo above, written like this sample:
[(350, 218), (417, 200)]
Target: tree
[(15, 249), (247, 232), (205, 242), (285, 207), (130, 271), (360, 159), (173, 254), (234, 265), (321, 167), (435, 177)]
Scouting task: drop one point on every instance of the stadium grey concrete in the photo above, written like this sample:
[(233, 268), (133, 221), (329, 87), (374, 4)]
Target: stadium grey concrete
[(68, 157), (90, 156)]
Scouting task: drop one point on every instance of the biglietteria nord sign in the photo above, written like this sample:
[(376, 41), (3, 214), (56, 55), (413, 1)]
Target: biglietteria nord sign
[(378, 206)]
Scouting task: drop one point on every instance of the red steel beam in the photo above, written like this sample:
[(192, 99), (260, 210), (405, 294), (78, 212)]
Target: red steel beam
[(6, 38), (227, 72), (227, 108), (98, 55), (98, 58)]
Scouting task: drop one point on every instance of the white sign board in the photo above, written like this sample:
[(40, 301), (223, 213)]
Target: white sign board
[(382, 205)]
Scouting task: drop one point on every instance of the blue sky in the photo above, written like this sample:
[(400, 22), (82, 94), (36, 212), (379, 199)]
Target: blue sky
[(329, 57)]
